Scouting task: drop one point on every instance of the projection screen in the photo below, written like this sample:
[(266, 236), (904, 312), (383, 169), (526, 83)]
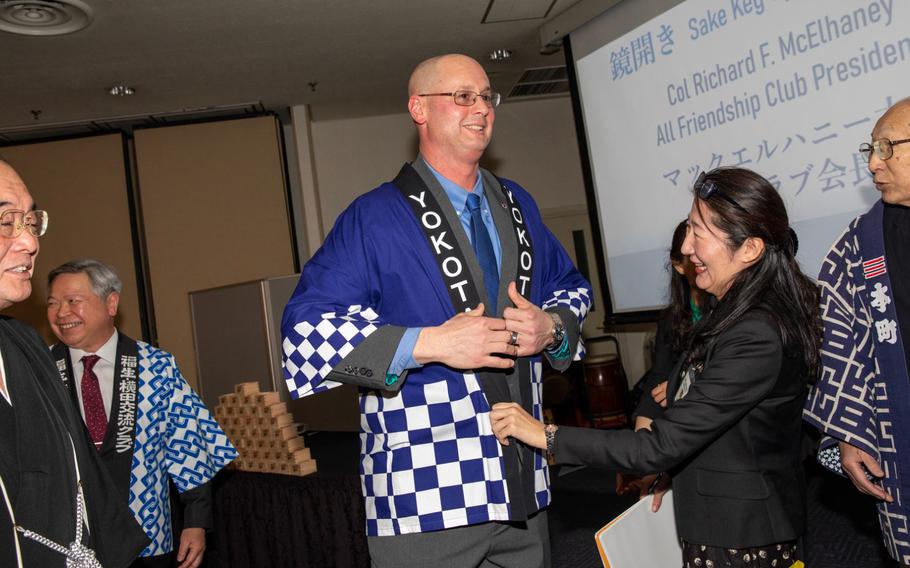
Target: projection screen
[(789, 89)]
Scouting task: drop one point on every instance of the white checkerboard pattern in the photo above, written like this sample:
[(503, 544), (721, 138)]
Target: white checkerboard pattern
[(312, 351), (579, 301), (430, 460)]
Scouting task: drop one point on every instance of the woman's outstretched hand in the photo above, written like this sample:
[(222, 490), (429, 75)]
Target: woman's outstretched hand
[(510, 420), (659, 486)]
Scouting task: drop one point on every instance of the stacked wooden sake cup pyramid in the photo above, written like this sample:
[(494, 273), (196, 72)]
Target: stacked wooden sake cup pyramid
[(263, 431)]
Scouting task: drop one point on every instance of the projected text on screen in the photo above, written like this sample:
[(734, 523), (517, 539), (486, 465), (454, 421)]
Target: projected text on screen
[(786, 88)]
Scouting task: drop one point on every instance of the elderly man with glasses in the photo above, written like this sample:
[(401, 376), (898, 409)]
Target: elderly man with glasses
[(862, 400), (438, 293), (59, 508)]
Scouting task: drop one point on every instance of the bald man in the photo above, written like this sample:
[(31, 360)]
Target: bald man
[(438, 293), (862, 400)]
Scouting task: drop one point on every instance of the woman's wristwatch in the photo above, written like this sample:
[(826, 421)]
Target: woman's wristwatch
[(550, 432)]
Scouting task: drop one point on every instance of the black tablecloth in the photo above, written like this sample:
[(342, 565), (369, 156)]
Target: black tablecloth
[(277, 521)]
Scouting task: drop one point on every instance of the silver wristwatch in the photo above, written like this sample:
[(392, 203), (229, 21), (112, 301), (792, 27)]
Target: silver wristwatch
[(559, 329)]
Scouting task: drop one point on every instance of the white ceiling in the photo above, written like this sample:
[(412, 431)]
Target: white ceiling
[(189, 54)]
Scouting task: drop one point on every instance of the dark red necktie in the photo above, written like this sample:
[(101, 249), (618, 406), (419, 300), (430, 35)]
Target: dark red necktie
[(92, 403)]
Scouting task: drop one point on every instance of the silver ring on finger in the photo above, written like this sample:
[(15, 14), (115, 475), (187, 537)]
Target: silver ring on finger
[(513, 340)]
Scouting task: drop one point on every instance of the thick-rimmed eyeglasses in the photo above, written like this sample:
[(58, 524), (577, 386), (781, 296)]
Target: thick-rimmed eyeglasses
[(706, 189), (882, 147), (468, 98), (14, 221)]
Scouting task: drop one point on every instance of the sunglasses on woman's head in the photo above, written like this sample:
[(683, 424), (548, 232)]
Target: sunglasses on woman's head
[(705, 189)]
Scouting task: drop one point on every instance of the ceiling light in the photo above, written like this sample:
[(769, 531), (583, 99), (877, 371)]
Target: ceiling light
[(44, 17), (121, 91), (499, 55)]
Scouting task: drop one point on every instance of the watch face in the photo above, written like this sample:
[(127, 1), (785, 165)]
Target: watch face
[(559, 328)]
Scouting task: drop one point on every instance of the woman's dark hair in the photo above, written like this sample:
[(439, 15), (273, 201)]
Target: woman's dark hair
[(744, 204), (679, 306)]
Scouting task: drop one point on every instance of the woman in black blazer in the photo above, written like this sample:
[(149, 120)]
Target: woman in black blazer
[(674, 322), (730, 437)]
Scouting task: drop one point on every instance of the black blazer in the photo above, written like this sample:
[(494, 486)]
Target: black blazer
[(732, 444), (31, 474)]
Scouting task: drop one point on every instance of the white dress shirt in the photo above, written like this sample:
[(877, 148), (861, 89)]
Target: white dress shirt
[(104, 370)]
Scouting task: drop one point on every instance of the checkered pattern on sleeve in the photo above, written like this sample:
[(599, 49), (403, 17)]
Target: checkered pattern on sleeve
[(176, 437), (312, 349), (429, 459), (579, 301)]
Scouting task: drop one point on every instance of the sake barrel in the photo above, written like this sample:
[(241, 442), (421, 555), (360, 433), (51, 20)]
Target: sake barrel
[(605, 383)]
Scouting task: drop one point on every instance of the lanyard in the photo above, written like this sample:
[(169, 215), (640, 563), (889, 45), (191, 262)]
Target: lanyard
[(77, 554)]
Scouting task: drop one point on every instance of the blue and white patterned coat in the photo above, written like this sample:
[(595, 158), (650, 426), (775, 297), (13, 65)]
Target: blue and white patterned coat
[(176, 438), (863, 393), (429, 459)]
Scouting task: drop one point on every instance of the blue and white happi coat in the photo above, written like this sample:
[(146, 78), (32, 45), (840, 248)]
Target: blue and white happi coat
[(174, 436), (429, 459), (863, 394)]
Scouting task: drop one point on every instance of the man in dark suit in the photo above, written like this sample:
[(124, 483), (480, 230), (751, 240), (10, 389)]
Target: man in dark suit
[(48, 469)]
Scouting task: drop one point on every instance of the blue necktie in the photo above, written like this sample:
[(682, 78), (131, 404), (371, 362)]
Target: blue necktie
[(483, 248)]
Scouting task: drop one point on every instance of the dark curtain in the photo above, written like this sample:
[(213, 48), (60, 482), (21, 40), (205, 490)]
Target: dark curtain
[(285, 521)]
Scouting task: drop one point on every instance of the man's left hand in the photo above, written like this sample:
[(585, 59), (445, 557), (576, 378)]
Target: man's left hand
[(192, 546), (533, 325)]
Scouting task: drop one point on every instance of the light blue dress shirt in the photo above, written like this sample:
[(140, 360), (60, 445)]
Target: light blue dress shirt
[(458, 196)]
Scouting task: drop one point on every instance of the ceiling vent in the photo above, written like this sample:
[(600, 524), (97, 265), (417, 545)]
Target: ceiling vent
[(499, 11), (541, 81), (44, 17)]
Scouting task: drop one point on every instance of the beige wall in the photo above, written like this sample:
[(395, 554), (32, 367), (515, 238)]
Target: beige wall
[(81, 182), (533, 143), (215, 213), (352, 156)]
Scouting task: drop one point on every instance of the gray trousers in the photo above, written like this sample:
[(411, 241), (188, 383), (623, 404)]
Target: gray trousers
[(487, 545)]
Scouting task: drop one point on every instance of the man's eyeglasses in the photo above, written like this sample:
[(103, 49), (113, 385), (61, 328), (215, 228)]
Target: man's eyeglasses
[(882, 147), (468, 98), (705, 189), (14, 221)]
